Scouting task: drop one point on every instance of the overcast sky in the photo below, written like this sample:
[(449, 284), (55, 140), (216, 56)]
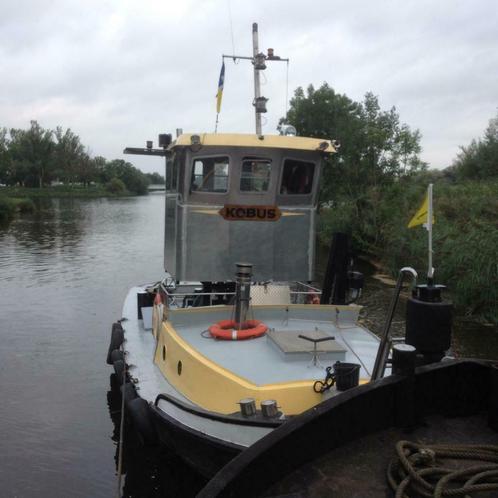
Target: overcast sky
[(120, 72)]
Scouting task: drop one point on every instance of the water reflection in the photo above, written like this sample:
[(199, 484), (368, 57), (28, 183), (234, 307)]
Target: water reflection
[(64, 272)]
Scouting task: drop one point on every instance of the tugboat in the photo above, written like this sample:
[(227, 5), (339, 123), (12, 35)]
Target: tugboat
[(236, 339)]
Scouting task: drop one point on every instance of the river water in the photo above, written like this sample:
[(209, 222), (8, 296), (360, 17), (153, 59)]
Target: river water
[(64, 272)]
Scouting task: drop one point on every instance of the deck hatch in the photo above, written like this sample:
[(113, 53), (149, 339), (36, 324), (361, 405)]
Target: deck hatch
[(293, 348)]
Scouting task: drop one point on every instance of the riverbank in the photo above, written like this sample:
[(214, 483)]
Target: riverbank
[(91, 192), (465, 236), (21, 199)]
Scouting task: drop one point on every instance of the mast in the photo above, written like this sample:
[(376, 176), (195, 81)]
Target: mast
[(257, 69), (258, 60)]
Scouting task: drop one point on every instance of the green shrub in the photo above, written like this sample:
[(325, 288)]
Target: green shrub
[(10, 205), (25, 205), (7, 209), (465, 236), (115, 186)]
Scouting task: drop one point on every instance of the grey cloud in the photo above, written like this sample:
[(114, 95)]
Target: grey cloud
[(118, 73)]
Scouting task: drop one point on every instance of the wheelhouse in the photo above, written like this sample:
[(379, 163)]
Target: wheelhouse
[(236, 198)]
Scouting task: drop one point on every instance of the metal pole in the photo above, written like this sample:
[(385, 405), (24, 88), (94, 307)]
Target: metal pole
[(385, 341), (430, 270), (257, 86)]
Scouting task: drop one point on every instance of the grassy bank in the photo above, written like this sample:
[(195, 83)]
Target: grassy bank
[(60, 191), (465, 236), (9, 206), (20, 199)]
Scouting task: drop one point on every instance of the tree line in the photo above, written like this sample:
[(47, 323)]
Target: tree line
[(38, 157)]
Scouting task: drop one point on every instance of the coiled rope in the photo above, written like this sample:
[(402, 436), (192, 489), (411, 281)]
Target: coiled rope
[(435, 471)]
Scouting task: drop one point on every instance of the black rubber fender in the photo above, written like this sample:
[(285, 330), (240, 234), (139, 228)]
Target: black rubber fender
[(117, 338), (129, 392), (140, 416), (119, 366), (116, 355)]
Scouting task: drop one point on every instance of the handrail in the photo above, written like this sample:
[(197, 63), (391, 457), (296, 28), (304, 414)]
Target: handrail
[(386, 341)]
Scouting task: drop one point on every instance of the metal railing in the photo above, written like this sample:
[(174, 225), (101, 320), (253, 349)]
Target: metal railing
[(299, 293)]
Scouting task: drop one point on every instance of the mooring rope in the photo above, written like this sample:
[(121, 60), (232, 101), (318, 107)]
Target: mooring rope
[(430, 470), (121, 427)]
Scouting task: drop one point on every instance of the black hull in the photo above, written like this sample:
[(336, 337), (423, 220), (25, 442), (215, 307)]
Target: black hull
[(450, 402), (205, 454)]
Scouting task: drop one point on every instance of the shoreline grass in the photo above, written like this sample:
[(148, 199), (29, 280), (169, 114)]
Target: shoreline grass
[(465, 237), (61, 191)]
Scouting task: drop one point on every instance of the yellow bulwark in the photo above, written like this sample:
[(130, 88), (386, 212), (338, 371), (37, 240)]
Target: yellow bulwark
[(251, 140), (214, 388)]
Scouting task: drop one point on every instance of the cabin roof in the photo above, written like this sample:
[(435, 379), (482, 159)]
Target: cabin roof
[(251, 140)]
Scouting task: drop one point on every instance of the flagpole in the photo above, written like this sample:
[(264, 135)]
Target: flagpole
[(430, 271)]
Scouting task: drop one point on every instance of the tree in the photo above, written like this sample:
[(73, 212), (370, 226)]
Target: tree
[(68, 153), (375, 147), (31, 152), (155, 178), (377, 151), (5, 159), (85, 169), (479, 160), (134, 180)]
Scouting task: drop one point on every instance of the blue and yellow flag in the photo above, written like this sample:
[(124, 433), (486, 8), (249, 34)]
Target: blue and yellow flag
[(221, 82)]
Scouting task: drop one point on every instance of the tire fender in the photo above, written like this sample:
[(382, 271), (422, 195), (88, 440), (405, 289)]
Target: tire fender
[(117, 338), (140, 416)]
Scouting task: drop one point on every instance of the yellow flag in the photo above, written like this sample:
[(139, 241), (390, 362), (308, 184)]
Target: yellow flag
[(421, 216)]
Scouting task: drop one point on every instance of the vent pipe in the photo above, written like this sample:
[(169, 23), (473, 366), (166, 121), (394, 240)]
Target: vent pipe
[(242, 292)]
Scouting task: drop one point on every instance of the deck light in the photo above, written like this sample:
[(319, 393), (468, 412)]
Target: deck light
[(290, 131)]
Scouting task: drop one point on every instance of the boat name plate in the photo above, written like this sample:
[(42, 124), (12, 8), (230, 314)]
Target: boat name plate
[(238, 212)]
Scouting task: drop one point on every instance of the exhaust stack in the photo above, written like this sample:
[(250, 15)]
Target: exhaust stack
[(242, 292)]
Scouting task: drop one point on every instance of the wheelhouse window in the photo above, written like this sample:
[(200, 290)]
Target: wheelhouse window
[(255, 174), (210, 174), (297, 177)]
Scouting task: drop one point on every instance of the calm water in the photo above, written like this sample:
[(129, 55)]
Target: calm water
[(63, 275)]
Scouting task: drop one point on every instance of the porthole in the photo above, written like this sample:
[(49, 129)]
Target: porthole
[(164, 353), (179, 368)]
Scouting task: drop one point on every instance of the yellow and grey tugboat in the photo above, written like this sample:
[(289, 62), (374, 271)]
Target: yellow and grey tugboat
[(235, 340)]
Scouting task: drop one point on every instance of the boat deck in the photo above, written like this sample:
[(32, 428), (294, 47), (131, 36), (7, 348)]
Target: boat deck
[(261, 361), (140, 346), (241, 357), (336, 473)]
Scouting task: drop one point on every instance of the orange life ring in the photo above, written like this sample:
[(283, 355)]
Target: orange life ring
[(313, 299), (226, 330)]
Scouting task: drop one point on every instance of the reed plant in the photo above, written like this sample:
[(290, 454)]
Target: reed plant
[(465, 236)]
